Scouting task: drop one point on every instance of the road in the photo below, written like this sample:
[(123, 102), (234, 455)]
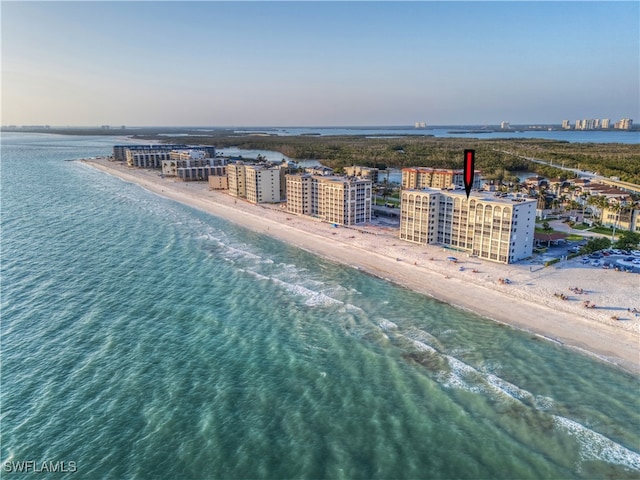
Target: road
[(560, 226)]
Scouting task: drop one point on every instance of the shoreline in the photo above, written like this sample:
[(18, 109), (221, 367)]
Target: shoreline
[(527, 304)]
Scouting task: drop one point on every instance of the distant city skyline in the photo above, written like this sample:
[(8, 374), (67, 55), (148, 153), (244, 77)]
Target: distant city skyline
[(318, 63)]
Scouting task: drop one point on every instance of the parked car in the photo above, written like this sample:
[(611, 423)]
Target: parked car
[(635, 253), (606, 254), (585, 260), (636, 261), (616, 251), (596, 263), (629, 259)]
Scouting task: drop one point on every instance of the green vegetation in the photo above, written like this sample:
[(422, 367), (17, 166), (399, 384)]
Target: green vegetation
[(602, 230), (611, 159), (628, 240), (596, 244)]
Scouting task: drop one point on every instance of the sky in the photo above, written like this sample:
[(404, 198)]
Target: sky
[(318, 63)]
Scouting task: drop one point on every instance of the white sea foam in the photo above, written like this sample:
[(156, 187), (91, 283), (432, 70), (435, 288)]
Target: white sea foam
[(508, 388), (594, 446), (422, 336), (544, 403), (387, 324), (456, 378), (423, 347), (314, 298)]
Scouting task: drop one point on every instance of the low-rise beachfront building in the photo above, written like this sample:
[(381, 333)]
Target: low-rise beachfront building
[(340, 200), (422, 177), (147, 158), (624, 217), (218, 182), (120, 151), (190, 165), (200, 173), (494, 228)]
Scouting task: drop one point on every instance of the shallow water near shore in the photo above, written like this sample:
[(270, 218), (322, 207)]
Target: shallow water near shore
[(145, 339)]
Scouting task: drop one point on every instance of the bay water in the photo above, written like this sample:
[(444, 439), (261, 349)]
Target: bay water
[(142, 338)]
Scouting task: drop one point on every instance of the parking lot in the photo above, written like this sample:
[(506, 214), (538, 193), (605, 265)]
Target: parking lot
[(624, 261), (628, 261)]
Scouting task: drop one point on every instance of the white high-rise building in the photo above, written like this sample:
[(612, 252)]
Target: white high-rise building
[(566, 125), (493, 228), (605, 123), (262, 183)]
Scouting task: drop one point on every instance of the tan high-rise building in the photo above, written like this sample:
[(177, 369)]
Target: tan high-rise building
[(340, 200), (236, 180), (493, 228), (302, 196), (421, 177)]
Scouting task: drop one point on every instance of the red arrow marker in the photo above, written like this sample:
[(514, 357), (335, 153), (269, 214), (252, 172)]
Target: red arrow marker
[(469, 157)]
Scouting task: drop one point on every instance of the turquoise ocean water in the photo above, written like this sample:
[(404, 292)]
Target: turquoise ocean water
[(144, 339)]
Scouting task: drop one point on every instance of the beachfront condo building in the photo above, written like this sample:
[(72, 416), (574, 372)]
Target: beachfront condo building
[(191, 165), (257, 183), (147, 158), (340, 200), (200, 173), (302, 194), (236, 180), (120, 151), (421, 177), (262, 183), (494, 228)]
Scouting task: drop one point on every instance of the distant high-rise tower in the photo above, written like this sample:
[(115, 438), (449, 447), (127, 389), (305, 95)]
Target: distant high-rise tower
[(565, 125), (504, 125), (605, 123)]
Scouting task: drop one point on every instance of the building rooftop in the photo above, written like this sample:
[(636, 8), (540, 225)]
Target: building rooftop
[(476, 195)]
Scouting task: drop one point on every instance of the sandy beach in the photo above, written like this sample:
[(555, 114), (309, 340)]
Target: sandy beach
[(530, 302)]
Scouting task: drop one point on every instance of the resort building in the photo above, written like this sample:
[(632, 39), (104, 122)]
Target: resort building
[(625, 217), (494, 228), (420, 177), (340, 200)]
